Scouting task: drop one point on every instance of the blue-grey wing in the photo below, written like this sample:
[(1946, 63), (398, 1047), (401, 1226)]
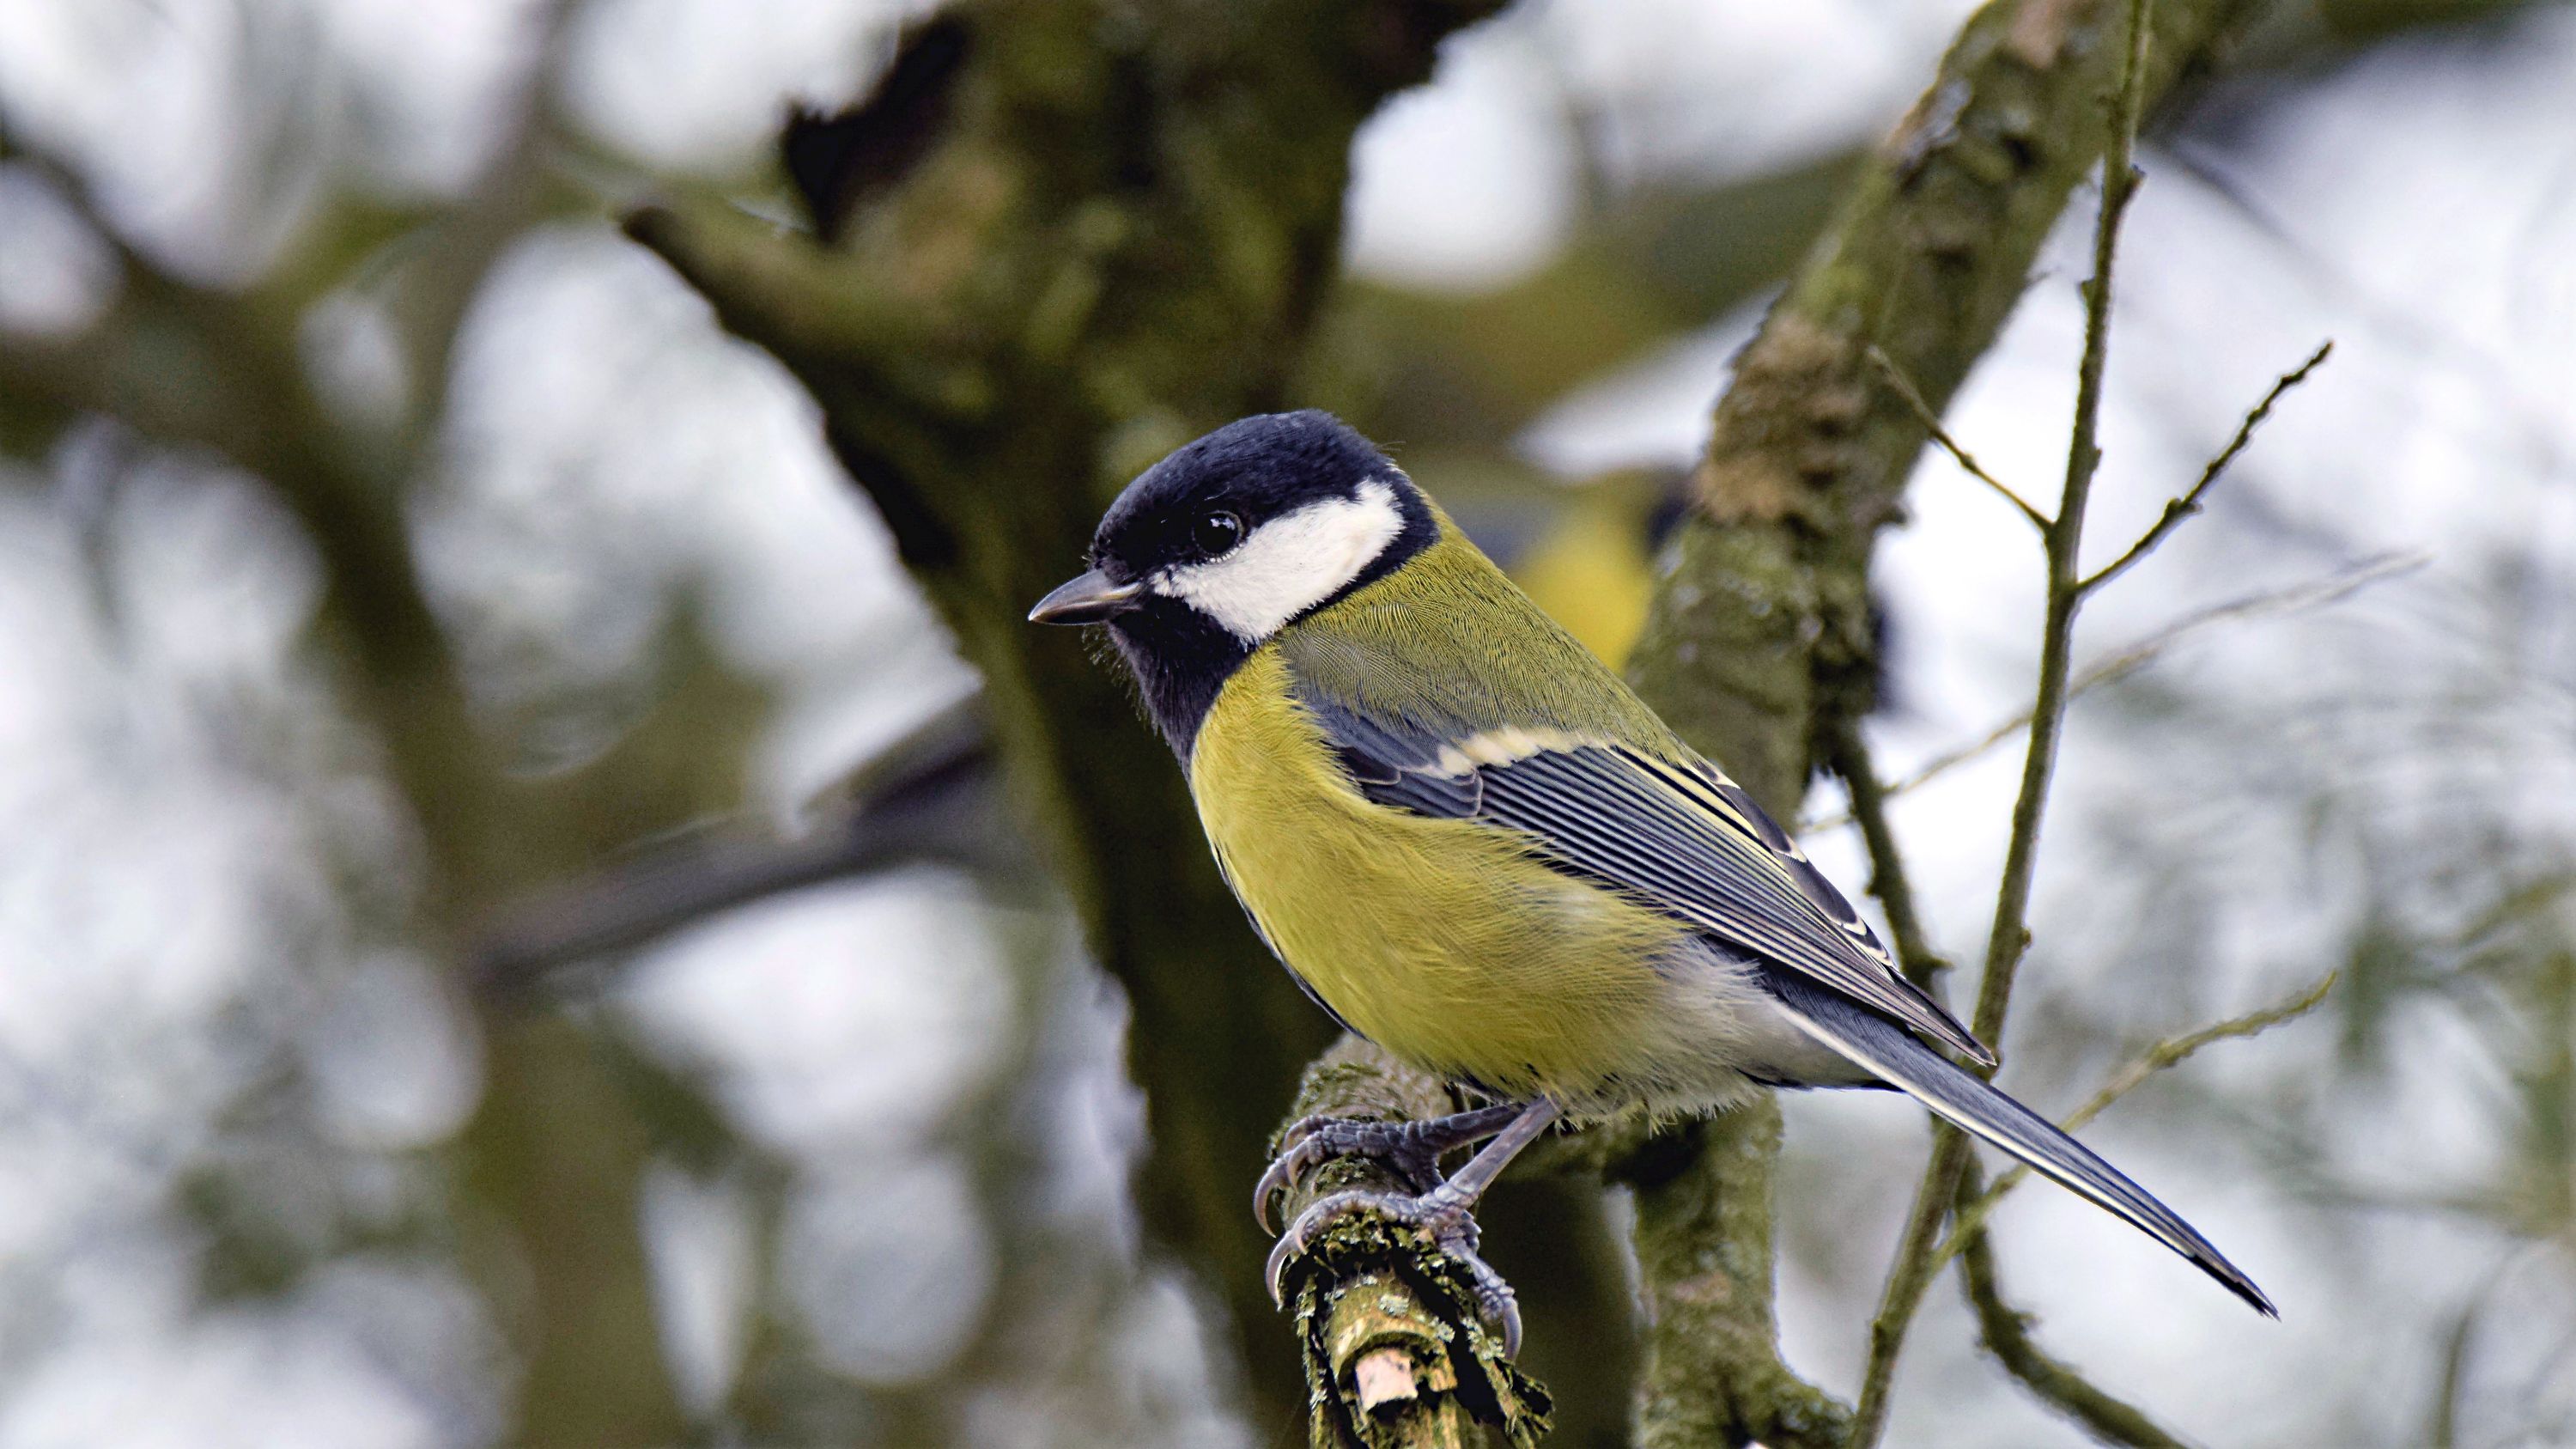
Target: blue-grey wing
[(1680, 836)]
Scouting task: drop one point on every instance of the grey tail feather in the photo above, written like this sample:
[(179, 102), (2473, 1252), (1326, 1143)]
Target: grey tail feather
[(1969, 1103)]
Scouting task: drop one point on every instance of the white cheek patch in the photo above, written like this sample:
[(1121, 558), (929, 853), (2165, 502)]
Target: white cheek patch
[(1290, 564)]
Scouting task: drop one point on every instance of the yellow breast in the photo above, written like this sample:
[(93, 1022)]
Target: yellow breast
[(1441, 940)]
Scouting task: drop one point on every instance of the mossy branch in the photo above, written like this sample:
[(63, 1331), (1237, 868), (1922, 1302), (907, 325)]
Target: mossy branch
[(1713, 1374), (1396, 1353)]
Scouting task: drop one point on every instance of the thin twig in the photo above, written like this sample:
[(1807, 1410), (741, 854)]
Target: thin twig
[(2444, 1430), (2010, 936), (1931, 421), (1911, 1272), (2175, 1050), (2176, 510), (2170, 1052), (2315, 593), (2006, 1334), (1848, 756)]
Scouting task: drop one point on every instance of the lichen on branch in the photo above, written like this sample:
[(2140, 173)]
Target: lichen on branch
[(1394, 1350)]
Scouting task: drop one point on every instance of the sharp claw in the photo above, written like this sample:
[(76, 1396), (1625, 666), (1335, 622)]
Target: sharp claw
[(1280, 1175), (1284, 1168), (1300, 1235), (1273, 1181), (1273, 1270), (1443, 1219), (1303, 1128), (1501, 1306)]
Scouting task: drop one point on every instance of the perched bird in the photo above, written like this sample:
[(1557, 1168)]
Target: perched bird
[(1473, 845)]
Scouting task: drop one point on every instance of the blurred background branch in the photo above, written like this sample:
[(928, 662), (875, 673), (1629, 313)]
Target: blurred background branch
[(558, 1149)]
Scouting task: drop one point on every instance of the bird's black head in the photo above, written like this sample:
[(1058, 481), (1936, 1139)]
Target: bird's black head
[(1230, 539)]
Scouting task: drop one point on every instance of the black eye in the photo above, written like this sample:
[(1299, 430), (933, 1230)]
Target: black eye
[(1216, 531)]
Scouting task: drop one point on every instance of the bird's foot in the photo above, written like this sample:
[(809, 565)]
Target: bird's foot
[(1442, 1214), (1411, 1150)]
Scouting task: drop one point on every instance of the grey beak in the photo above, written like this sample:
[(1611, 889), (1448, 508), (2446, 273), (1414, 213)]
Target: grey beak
[(1089, 599)]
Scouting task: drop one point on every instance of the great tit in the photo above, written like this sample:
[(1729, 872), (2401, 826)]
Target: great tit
[(1473, 845)]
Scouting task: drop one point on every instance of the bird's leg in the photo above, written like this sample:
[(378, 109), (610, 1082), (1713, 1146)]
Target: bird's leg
[(1412, 1150), (1444, 1214)]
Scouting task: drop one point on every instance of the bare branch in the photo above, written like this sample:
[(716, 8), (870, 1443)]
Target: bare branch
[(2011, 935), (2175, 1050), (1761, 640), (1395, 1350), (2340, 584), (1931, 421), (2006, 1334), (1915, 1263), (2189, 503)]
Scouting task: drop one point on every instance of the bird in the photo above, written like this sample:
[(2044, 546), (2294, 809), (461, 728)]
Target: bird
[(1472, 844)]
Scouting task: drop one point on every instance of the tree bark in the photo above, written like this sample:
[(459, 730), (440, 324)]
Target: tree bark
[(1082, 237)]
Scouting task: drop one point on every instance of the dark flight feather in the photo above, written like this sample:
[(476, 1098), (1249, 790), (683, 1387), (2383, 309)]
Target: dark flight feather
[(1972, 1105)]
